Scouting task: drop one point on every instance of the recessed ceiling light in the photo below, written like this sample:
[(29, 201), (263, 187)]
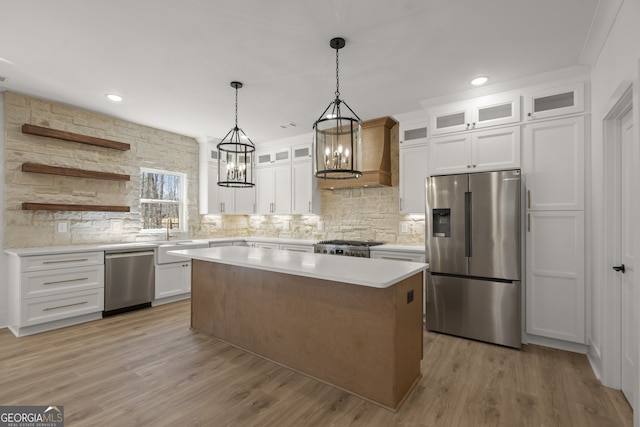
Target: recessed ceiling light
[(479, 81), (113, 97)]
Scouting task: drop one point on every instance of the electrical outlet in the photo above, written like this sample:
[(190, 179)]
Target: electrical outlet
[(320, 225), (404, 227), (116, 226), (62, 226), (410, 296)]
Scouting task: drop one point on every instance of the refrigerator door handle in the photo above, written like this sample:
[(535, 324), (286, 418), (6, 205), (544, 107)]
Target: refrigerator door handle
[(467, 224)]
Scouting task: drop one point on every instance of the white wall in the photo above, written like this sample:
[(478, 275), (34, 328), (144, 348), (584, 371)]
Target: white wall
[(616, 67), (3, 257)]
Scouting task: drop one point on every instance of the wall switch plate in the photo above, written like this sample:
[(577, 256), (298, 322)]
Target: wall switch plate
[(320, 225), (404, 227), (116, 226), (62, 226)]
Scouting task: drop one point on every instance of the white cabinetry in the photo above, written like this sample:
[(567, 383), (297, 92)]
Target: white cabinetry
[(555, 282), (491, 110), (304, 189), (273, 157), (227, 200), (54, 290), (414, 163), (296, 247), (490, 149), (273, 188), (555, 256), (266, 245), (414, 169), (172, 280), (554, 164), (551, 102)]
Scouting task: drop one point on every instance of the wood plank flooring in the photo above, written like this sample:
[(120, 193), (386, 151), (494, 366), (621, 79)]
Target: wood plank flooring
[(148, 368)]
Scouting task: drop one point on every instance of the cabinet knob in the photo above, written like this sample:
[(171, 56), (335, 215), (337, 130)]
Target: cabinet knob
[(529, 114), (468, 166), (474, 166)]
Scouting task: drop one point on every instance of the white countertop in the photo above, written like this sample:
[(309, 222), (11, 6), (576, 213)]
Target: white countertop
[(376, 273), (46, 250)]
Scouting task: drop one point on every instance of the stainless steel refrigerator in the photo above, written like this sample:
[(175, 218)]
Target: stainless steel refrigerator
[(473, 242)]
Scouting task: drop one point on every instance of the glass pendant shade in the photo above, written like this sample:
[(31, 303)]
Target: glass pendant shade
[(337, 136), (337, 142), (236, 156)]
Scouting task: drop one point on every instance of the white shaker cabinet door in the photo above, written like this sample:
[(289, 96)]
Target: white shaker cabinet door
[(555, 282), (554, 164), (450, 154), (413, 171), (495, 149)]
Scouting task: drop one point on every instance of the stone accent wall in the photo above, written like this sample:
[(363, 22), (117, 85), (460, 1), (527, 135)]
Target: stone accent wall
[(150, 148)]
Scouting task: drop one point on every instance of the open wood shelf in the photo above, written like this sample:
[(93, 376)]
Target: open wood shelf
[(81, 173), (74, 137), (65, 207)]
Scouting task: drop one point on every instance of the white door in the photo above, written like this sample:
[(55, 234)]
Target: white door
[(628, 341)]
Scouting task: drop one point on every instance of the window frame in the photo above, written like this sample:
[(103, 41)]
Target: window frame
[(182, 203)]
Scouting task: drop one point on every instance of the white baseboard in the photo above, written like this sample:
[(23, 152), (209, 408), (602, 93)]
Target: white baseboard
[(558, 344)]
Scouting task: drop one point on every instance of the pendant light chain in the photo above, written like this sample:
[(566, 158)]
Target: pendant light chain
[(236, 106), (337, 75)]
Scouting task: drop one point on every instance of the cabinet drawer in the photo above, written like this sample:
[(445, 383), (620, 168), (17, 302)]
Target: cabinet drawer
[(398, 256), (48, 282), (297, 248), (47, 309), (66, 260)]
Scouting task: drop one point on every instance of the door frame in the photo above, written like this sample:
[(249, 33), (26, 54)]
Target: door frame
[(611, 287)]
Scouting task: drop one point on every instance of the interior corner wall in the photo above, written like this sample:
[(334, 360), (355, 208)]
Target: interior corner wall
[(3, 258), (616, 66)]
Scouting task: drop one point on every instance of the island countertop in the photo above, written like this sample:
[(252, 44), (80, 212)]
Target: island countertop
[(375, 273)]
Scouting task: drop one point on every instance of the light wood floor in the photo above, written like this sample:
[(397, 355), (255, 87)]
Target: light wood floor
[(148, 368)]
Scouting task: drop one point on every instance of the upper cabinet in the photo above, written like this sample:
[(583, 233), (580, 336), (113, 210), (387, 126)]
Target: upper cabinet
[(273, 157), (556, 101), (478, 113), (304, 188), (490, 149), (414, 165), (221, 200), (554, 164)]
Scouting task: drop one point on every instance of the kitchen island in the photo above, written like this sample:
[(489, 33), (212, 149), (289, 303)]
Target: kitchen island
[(353, 323)]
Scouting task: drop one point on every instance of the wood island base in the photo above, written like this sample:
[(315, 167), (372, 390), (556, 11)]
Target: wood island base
[(364, 340)]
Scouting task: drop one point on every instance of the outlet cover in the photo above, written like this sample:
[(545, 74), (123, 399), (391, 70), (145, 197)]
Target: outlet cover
[(320, 225), (116, 226), (404, 228), (62, 227)]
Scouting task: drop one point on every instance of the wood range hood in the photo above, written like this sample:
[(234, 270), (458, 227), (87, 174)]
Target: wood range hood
[(376, 157)]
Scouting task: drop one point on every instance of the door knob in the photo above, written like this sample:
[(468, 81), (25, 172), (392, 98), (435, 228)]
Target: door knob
[(619, 268)]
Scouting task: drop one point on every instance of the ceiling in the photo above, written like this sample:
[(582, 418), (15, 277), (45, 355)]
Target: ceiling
[(173, 61)]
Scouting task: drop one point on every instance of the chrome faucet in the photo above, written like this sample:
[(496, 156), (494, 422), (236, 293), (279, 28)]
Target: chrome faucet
[(169, 227)]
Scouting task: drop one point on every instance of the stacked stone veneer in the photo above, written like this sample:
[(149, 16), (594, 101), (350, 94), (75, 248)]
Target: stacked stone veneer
[(357, 213), (150, 148)]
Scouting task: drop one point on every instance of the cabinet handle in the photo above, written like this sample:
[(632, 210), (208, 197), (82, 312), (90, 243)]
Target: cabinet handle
[(529, 199), (64, 306), (66, 281), (309, 207), (474, 166), (468, 125), (529, 222), (468, 166), (66, 260)]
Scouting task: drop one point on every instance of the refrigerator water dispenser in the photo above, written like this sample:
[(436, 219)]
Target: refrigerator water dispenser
[(441, 223)]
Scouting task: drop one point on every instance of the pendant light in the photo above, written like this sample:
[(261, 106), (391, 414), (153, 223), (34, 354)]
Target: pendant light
[(337, 135), (236, 155)]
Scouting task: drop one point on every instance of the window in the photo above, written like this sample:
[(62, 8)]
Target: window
[(162, 197)]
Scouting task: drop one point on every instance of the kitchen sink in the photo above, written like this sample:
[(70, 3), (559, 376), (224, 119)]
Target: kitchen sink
[(162, 257)]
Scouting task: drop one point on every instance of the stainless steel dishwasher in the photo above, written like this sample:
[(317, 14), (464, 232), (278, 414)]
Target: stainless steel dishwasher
[(129, 280)]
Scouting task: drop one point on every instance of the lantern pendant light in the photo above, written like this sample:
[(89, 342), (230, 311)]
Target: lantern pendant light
[(236, 155), (337, 135)]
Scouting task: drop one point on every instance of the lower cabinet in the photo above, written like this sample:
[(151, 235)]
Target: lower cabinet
[(173, 280), (555, 282), (54, 290)]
